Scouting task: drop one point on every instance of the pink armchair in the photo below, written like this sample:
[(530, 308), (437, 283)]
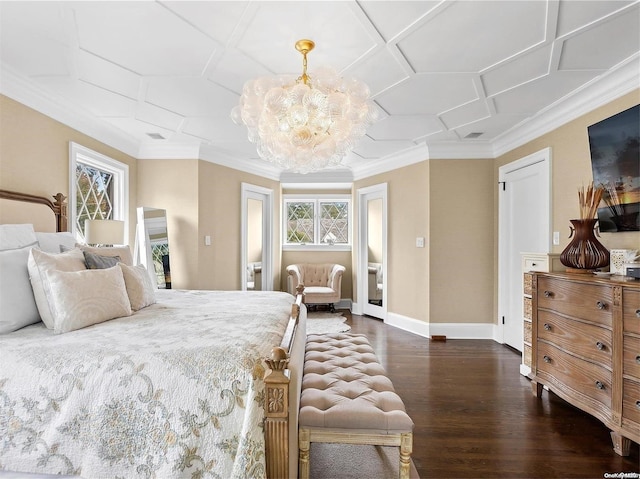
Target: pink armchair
[(322, 282)]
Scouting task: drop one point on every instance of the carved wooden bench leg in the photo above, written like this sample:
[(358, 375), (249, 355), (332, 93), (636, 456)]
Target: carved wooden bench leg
[(304, 446), (406, 448)]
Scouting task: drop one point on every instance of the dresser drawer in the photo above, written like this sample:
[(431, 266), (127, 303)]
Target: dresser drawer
[(586, 340), (631, 360), (592, 302), (631, 400), (574, 374), (535, 264), (631, 311)]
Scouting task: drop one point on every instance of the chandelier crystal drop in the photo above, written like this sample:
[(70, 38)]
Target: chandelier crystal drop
[(307, 123)]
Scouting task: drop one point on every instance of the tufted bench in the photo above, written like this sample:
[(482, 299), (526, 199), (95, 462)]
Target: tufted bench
[(348, 399)]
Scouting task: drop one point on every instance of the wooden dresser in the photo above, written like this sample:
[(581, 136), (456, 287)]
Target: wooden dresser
[(586, 347)]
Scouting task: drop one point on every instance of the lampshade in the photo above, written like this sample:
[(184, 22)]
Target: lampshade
[(305, 124), (105, 232)]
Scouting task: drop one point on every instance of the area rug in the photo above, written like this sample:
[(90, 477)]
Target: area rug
[(322, 322), (345, 461)]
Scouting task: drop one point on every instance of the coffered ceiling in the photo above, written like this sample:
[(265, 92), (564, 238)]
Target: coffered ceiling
[(451, 79)]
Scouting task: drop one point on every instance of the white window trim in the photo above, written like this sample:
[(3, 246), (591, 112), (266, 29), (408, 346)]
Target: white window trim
[(120, 172), (316, 199)]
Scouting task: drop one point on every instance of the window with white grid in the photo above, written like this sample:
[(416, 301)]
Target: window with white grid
[(99, 188), (317, 220)]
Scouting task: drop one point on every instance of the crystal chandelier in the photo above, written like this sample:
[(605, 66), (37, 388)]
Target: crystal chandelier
[(305, 124)]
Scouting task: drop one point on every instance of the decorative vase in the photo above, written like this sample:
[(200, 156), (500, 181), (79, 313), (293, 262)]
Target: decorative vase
[(584, 253)]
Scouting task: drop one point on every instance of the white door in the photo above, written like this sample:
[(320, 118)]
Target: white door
[(524, 226), (372, 248), (256, 238)]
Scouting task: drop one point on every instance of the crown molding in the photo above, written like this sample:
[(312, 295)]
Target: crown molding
[(600, 91), (251, 166), (392, 162), (28, 93), (339, 178), (461, 151)]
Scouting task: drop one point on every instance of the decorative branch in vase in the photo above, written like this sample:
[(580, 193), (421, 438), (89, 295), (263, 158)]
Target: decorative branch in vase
[(585, 253)]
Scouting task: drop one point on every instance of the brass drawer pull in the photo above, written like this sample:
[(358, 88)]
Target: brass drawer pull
[(638, 359), (548, 294), (601, 305), (599, 385), (637, 313), (547, 327), (638, 404), (600, 345), (546, 358)]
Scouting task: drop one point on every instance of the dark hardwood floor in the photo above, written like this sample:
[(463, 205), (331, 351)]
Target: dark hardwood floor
[(475, 416)]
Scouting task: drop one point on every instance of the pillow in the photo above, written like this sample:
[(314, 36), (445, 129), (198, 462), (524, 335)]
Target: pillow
[(55, 242), (82, 298), (97, 261), (17, 304), (123, 251), (17, 236), (40, 264), (140, 289)]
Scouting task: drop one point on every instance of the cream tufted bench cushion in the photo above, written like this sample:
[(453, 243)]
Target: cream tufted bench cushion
[(347, 398)]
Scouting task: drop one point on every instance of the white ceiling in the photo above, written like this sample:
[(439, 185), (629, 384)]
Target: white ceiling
[(438, 71)]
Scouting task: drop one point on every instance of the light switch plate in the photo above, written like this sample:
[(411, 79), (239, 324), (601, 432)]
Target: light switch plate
[(556, 238), (420, 242), (207, 240)]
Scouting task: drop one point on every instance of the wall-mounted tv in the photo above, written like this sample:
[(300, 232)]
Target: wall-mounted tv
[(615, 160)]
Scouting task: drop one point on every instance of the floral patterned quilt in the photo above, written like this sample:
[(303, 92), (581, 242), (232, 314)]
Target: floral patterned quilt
[(173, 391)]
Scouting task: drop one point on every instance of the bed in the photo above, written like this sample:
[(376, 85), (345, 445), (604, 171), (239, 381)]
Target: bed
[(194, 384)]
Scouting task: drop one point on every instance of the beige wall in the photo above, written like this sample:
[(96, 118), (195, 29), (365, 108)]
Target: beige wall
[(461, 248), (34, 154)]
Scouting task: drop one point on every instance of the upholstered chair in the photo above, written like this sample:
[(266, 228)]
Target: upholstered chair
[(322, 282)]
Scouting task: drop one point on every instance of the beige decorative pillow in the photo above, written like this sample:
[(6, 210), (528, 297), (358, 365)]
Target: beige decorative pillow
[(39, 265), (123, 251), (140, 289), (83, 298)]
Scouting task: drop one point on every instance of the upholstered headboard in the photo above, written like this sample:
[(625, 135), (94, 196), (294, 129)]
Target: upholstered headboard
[(14, 210)]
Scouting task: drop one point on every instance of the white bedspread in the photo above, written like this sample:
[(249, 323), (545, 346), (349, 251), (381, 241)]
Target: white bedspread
[(173, 391)]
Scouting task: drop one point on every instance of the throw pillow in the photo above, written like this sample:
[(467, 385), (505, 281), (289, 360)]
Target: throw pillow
[(16, 236), (17, 304), (123, 251), (98, 261), (83, 298), (140, 289), (55, 242)]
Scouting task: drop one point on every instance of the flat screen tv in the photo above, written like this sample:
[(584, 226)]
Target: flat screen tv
[(615, 160)]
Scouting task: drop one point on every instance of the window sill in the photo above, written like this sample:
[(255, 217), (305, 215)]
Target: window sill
[(316, 247)]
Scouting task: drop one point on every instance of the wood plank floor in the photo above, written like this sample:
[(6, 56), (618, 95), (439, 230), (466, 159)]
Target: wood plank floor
[(475, 416)]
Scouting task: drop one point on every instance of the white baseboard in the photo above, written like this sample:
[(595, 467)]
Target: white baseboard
[(463, 330), (406, 323)]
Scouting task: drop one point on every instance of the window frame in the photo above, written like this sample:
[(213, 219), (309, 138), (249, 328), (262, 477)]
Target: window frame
[(120, 172), (316, 199)]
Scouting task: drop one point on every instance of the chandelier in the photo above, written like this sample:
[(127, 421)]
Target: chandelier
[(305, 124)]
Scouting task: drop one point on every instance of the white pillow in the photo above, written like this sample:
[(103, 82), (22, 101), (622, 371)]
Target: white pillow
[(123, 251), (41, 263), (16, 236), (17, 304), (82, 298), (140, 289), (51, 242)]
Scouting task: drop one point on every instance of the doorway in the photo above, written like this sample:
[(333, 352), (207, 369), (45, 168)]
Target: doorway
[(372, 250), (256, 238), (524, 227)]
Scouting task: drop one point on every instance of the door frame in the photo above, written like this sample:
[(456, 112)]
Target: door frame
[(542, 156), (265, 195), (363, 195)]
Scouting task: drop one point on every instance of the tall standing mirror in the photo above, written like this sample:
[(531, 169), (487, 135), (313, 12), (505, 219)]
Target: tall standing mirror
[(256, 258), (152, 240)]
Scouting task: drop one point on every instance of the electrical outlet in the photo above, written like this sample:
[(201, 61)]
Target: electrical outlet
[(556, 238), (419, 242)]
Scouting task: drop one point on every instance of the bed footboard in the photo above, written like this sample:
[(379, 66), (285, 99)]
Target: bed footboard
[(276, 404)]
